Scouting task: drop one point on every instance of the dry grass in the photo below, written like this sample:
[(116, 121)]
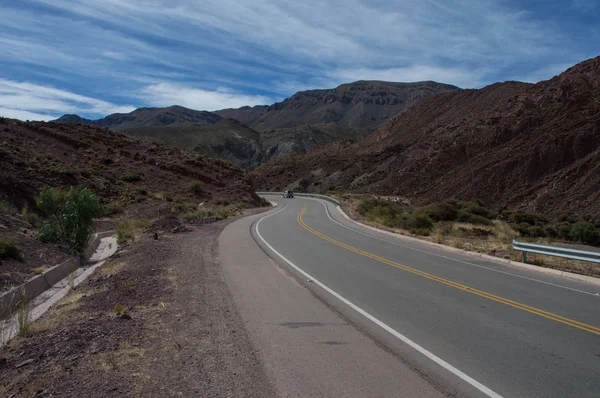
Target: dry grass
[(438, 236)]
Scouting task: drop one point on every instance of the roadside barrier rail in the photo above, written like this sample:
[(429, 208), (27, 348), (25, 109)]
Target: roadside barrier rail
[(312, 195), (581, 255)]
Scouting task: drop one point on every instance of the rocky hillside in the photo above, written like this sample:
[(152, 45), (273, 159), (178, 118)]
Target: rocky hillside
[(362, 105), (129, 172), (148, 117), (233, 141), (508, 144)]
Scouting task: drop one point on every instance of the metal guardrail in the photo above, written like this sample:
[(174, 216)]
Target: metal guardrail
[(593, 257), (311, 195)]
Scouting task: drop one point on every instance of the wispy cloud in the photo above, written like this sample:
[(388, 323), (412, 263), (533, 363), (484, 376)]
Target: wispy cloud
[(165, 94), (18, 99), (121, 51)]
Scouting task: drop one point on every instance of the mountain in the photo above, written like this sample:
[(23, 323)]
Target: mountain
[(148, 117), (362, 105), (231, 140), (509, 144), (133, 173), (250, 136)]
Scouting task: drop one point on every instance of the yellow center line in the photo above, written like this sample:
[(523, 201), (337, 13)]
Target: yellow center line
[(499, 299)]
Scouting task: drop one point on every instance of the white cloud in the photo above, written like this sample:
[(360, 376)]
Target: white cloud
[(25, 100), (24, 115), (166, 94)]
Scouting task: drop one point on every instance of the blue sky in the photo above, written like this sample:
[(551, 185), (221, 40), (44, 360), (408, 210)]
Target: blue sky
[(97, 57)]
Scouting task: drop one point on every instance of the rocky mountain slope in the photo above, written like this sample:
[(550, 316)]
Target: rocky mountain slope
[(509, 144), (362, 105), (148, 117), (233, 141), (119, 168), (304, 121)]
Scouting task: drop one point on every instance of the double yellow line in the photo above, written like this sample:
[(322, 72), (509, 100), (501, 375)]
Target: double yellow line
[(567, 321)]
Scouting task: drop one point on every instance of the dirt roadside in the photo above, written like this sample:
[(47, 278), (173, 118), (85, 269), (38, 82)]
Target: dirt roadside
[(156, 320)]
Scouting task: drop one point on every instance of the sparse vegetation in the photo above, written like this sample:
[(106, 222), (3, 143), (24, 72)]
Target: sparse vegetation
[(38, 270), (10, 249), (113, 208), (131, 178), (584, 232), (125, 232), (69, 216), (197, 187), (143, 223), (33, 219), (23, 316)]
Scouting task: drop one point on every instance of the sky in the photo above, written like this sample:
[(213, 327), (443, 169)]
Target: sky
[(97, 57)]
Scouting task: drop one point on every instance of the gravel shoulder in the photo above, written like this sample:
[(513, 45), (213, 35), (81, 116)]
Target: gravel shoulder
[(155, 320)]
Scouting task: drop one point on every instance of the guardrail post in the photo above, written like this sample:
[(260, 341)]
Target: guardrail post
[(524, 256)]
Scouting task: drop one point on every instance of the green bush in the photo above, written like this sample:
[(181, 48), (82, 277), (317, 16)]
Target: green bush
[(197, 187), (536, 232), (222, 202), (10, 249), (584, 232), (466, 217), (125, 232), (417, 221), (33, 219), (563, 230), (440, 211), (382, 211), (69, 216), (570, 218), (529, 218)]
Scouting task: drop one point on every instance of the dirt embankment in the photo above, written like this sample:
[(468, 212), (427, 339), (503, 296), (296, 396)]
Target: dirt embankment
[(156, 320), (515, 145), (134, 180)]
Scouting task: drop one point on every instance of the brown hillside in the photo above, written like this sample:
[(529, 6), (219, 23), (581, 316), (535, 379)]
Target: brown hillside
[(115, 166), (362, 105), (508, 144)]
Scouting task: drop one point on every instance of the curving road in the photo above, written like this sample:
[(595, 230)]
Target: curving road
[(497, 329)]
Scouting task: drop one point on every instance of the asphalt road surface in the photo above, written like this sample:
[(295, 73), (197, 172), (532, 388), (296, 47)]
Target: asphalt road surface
[(501, 330)]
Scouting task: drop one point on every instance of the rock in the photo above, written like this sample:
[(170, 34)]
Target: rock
[(155, 236), (24, 363), (125, 316)]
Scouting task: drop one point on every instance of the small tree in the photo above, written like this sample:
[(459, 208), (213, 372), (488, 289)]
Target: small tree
[(69, 216)]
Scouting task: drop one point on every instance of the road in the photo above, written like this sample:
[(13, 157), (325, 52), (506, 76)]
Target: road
[(501, 330)]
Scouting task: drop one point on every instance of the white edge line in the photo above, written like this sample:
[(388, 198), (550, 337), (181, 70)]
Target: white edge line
[(451, 258), (487, 391)]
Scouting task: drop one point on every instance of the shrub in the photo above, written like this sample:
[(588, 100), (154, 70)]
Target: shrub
[(264, 202), (584, 232), (69, 216), (421, 231), (222, 202), (536, 232), (131, 177), (199, 215), (570, 218), (417, 221), (10, 249), (563, 230), (7, 208), (466, 217), (476, 209), (504, 232), (528, 218), (223, 213), (113, 208), (440, 212), (33, 219), (125, 232), (384, 212), (143, 223), (197, 187)]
